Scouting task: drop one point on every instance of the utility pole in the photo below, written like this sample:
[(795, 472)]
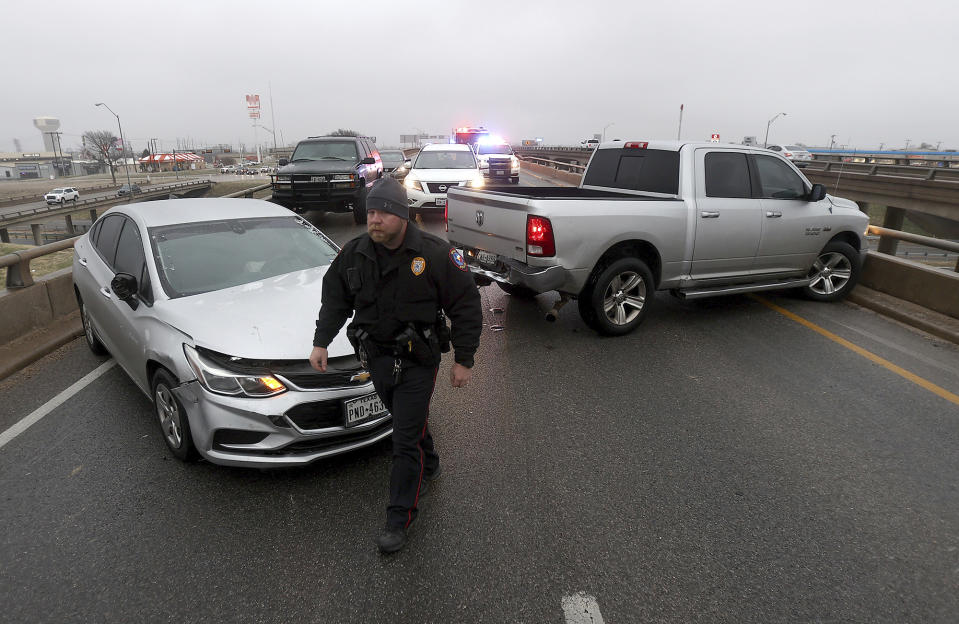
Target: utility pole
[(938, 144), (272, 117), (679, 132), (880, 146), (832, 140)]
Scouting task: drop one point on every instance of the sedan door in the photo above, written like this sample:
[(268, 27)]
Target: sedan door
[(728, 218), (793, 229), (93, 281)]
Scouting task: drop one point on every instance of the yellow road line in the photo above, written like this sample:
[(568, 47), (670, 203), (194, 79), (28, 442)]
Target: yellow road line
[(916, 379)]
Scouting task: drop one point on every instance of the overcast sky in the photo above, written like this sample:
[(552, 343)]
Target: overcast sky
[(868, 72)]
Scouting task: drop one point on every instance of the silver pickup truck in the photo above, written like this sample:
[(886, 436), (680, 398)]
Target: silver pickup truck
[(697, 219)]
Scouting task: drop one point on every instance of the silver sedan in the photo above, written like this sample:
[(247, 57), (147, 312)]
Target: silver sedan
[(209, 307)]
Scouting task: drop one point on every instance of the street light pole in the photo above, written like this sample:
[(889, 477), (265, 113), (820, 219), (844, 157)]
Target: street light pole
[(612, 123), (766, 140), (124, 143)]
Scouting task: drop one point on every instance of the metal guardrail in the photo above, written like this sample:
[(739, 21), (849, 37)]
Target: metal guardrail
[(926, 241), (248, 193), (918, 172), (554, 163)]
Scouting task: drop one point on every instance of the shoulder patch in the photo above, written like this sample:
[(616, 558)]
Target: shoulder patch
[(458, 260), (418, 265)]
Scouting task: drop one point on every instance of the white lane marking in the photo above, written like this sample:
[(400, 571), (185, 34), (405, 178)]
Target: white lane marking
[(581, 608), (54, 403)]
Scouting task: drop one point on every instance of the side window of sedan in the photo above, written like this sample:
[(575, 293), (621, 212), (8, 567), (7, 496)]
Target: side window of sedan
[(107, 238), (777, 180), (131, 258)]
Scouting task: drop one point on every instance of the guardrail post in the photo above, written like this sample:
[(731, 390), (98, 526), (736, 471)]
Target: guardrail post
[(18, 275), (891, 221), (4, 235), (93, 215), (68, 220), (37, 235)]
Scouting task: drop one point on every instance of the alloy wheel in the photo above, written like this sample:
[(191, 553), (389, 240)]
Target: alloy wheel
[(87, 327), (169, 414), (624, 298), (830, 273)]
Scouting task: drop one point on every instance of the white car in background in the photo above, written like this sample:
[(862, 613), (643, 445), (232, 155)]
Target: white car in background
[(798, 155), (436, 169), (497, 161), (61, 195)]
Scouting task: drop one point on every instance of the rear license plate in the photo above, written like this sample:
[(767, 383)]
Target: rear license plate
[(318, 179), (363, 409), (441, 202), (485, 257)]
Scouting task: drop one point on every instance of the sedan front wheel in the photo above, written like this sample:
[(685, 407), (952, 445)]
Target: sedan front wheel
[(172, 417)]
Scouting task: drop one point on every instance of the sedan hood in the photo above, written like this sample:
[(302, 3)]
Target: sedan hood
[(446, 175), (272, 319), (319, 166)]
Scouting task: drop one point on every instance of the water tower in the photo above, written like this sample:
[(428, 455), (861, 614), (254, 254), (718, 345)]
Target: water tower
[(45, 125)]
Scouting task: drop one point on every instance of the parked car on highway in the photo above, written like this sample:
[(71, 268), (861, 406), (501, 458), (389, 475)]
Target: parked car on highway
[(589, 143), (697, 219), (331, 173), (392, 160), (61, 195), (128, 189), (436, 169), (184, 295), (497, 162), (798, 155)]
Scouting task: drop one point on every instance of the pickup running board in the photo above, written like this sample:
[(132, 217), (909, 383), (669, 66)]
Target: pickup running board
[(699, 293)]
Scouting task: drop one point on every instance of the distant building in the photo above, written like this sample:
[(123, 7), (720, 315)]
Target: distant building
[(23, 166)]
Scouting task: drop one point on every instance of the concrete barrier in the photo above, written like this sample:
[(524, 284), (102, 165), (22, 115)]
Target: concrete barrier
[(926, 286)]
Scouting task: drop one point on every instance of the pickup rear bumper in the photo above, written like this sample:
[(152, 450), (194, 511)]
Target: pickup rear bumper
[(538, 279)]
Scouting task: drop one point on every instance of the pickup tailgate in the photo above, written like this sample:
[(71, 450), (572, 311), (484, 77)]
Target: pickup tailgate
[(491, 222)]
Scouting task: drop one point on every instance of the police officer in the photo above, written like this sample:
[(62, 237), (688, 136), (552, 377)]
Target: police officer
[(401, 282)]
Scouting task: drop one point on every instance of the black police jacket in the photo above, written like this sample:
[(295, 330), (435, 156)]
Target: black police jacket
[(426, 276)]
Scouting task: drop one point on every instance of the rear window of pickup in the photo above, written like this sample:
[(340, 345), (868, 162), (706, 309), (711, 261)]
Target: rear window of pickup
[(653, 171)]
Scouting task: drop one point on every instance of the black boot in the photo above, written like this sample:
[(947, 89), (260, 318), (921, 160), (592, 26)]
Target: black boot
[(391, 539)]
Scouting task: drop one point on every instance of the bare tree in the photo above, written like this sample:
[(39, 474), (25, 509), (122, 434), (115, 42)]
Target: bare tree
[(344, 132), (101, 145)]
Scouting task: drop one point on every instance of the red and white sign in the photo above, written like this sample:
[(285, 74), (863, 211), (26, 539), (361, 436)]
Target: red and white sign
[(253, 105), (714, 138)]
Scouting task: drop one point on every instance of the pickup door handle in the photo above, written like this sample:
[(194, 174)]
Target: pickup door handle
[(82, 261), (773, 214), (105, 292), (709, 214)]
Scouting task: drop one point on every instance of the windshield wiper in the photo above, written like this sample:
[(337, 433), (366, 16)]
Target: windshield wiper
[(332, 158), (300, 159)]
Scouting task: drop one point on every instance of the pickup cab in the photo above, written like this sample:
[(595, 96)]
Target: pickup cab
[(695, 219)]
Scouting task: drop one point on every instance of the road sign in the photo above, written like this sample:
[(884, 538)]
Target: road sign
[(714, 138)]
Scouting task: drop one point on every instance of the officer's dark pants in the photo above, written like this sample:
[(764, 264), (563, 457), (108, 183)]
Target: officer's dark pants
[(413, 452)]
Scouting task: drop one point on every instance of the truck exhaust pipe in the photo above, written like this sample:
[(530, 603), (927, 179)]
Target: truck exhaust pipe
[(553, 313)]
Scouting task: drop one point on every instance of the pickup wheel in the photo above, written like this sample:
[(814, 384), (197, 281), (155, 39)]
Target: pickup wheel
[(619, 298), (834, 273), (359, 206), (520, 292)]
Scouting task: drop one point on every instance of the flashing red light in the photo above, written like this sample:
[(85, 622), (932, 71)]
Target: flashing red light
[(539, 237), (637, 145), (446, 215)]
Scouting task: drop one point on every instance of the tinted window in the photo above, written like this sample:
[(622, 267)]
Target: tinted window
[(653, 171), (94, 231), (777, 180), (326, 150), (795, 148), (107, 238), (494, 149), (727, 175), (445, 159), (391, 158), (129, 251), (775, 148)]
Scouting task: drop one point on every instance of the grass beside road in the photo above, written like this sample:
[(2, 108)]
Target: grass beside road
[(38, 266)]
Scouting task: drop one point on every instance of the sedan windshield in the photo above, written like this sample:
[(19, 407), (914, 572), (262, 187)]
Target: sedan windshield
[(392, 159), (325, 150), (445, 159), (494, 149), (194, 258)]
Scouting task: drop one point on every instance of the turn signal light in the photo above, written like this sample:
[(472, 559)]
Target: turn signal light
[(539, 237)]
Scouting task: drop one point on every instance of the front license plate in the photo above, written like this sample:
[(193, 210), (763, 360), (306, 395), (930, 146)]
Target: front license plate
[(318, 179), (485, 257), (441, 202), (363, 409)]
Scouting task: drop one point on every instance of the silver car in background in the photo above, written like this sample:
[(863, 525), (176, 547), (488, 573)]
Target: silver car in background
[(209, 306), (797, 154)]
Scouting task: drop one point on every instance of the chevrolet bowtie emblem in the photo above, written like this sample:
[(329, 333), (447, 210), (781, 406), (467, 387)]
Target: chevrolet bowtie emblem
[(479, 217), (364, 376)]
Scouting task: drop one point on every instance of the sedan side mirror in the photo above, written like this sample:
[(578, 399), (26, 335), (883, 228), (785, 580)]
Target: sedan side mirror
[(284, 162), (369, 160), (408, 164), (817, 193), (124, 286)]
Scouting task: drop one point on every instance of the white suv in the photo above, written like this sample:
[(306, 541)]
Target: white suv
[(60, 195), (438, 167)]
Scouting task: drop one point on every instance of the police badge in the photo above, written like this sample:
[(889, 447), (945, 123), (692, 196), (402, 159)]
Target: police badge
[(418, 265)]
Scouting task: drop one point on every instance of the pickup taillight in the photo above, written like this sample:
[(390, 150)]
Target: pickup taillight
[(539, 237)]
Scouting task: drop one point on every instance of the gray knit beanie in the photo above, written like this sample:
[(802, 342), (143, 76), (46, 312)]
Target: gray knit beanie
[(388, 195)]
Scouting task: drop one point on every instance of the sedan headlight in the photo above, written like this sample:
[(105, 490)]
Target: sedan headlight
[(343, 177), (412, 183), (221, 381)]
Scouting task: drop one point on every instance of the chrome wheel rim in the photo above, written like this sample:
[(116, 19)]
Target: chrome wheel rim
[(87, 328), (169, 415), (624, 298), (830, 273)]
